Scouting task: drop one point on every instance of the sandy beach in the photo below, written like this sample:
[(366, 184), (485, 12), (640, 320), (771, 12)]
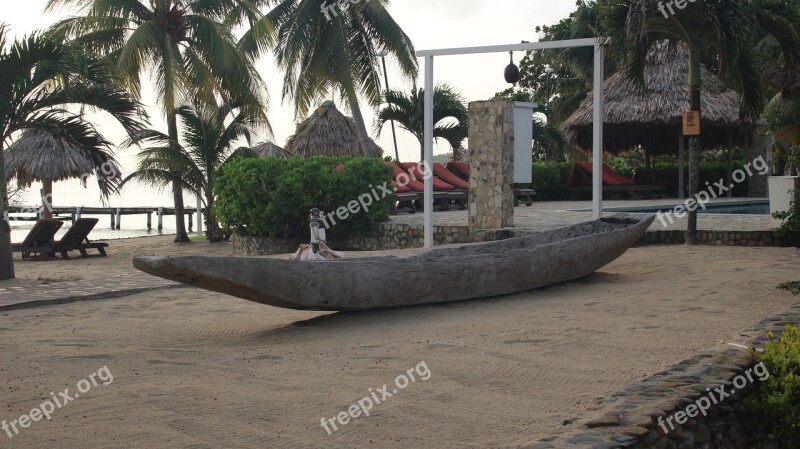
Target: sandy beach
[(198, 369)]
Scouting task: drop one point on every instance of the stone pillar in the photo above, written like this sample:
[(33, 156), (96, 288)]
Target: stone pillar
[(491, 165), (757, 184)]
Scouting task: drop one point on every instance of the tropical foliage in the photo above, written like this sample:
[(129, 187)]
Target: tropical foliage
[(450, 116), (777, 399), (209, 142), (186, 47), (722, 30), (272, 197), (321, 53), (43, 85)]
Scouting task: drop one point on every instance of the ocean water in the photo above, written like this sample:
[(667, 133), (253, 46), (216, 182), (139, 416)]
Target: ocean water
[(71, 193)]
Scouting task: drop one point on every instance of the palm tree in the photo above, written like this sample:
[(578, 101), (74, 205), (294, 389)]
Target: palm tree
[(208, 143), (450, 116), (338, 50), (187, 47), (722, 30), (41, 83)]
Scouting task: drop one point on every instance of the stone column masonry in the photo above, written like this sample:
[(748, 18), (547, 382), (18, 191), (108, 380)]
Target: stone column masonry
[(491, 165)]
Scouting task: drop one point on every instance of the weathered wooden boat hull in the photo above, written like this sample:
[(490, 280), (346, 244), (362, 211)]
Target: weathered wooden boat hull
[(439, 275)]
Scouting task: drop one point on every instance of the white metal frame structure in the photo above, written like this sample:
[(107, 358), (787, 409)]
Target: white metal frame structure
[(599, 60)]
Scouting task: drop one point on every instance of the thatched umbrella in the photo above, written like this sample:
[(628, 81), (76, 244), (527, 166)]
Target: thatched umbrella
[(328, 132), (269, 149), (40, 156), (653, 118)]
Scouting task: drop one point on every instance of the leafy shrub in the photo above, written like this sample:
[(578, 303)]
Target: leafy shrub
[(550, 180), (272, 197), (792, 216), (793, 287), (776, 402)]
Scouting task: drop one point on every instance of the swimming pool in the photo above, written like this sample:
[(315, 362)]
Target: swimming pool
[(738, 208)]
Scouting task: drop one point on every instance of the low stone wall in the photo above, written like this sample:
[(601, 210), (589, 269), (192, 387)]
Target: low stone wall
[(717, 238), (399, 236), (630, 418)]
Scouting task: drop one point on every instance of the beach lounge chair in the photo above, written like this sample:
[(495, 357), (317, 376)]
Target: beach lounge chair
[(461, 170), (40, 240), (580, 181), (77, 239), (403, 178), (455, 196)]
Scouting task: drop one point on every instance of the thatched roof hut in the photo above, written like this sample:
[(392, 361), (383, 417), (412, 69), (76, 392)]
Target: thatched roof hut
[(269, 149), (328, 132), (654, 118), (40, 156), (785, 80)]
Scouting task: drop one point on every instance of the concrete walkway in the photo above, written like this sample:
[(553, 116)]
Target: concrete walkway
[(546, 215), (24, 296)]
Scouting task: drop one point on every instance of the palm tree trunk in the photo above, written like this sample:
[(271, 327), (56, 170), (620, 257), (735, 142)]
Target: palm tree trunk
[(213, 231), (177, 192), (361, 128), (695, 143), (6, 256)]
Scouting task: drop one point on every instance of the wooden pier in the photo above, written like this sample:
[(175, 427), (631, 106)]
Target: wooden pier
[(30, 213)]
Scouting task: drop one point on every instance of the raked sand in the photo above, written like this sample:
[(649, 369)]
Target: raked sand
[(198, 369)]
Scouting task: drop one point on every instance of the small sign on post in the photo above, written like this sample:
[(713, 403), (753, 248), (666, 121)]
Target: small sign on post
[(691, 123)]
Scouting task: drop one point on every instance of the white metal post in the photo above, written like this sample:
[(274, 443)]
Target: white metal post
[(428, 200), (597, 178)]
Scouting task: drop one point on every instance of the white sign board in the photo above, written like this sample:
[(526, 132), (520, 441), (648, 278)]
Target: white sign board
[(523, 142)]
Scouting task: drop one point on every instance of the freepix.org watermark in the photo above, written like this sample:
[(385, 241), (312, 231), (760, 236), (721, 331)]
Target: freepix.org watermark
[(330, 9), (46, 408), (375, 195), (365, 404), (703, 404), (680, 4), (714, 191)]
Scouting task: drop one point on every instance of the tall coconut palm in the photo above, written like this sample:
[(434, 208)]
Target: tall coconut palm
[(208, 142), (41, 84), (186, 46), (725, 28), (450, 116), (322, 46)]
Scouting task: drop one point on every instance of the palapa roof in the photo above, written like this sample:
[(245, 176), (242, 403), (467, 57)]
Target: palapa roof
[(269, 149), (785, 80), (40, 156), (328, 132), (654, 118)]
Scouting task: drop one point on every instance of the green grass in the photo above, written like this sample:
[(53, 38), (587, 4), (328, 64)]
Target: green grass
[(50, 280), (197, 238), (793, 287)]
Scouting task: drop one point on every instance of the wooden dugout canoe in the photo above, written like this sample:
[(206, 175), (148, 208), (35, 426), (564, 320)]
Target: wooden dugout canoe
[(443, 274)]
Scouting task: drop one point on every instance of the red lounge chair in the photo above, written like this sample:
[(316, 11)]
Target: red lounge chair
[(455, 196), (461, 170), (404, 178), (449, 177), (40, 240), (580, 180)]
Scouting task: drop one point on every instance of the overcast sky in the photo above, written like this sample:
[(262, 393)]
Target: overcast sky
[(430, 24)]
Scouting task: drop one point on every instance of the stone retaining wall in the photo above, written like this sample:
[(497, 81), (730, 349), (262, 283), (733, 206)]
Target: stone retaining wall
[(629, 418), (400, 236)]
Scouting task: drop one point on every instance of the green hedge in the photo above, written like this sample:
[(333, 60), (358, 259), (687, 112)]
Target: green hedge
[(776, 403), (550, 178), (272, 197)]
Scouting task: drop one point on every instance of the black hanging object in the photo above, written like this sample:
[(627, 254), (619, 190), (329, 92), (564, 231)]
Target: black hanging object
[(512, 71)]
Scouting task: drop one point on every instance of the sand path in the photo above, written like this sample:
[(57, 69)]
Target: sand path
[(198, 369)]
